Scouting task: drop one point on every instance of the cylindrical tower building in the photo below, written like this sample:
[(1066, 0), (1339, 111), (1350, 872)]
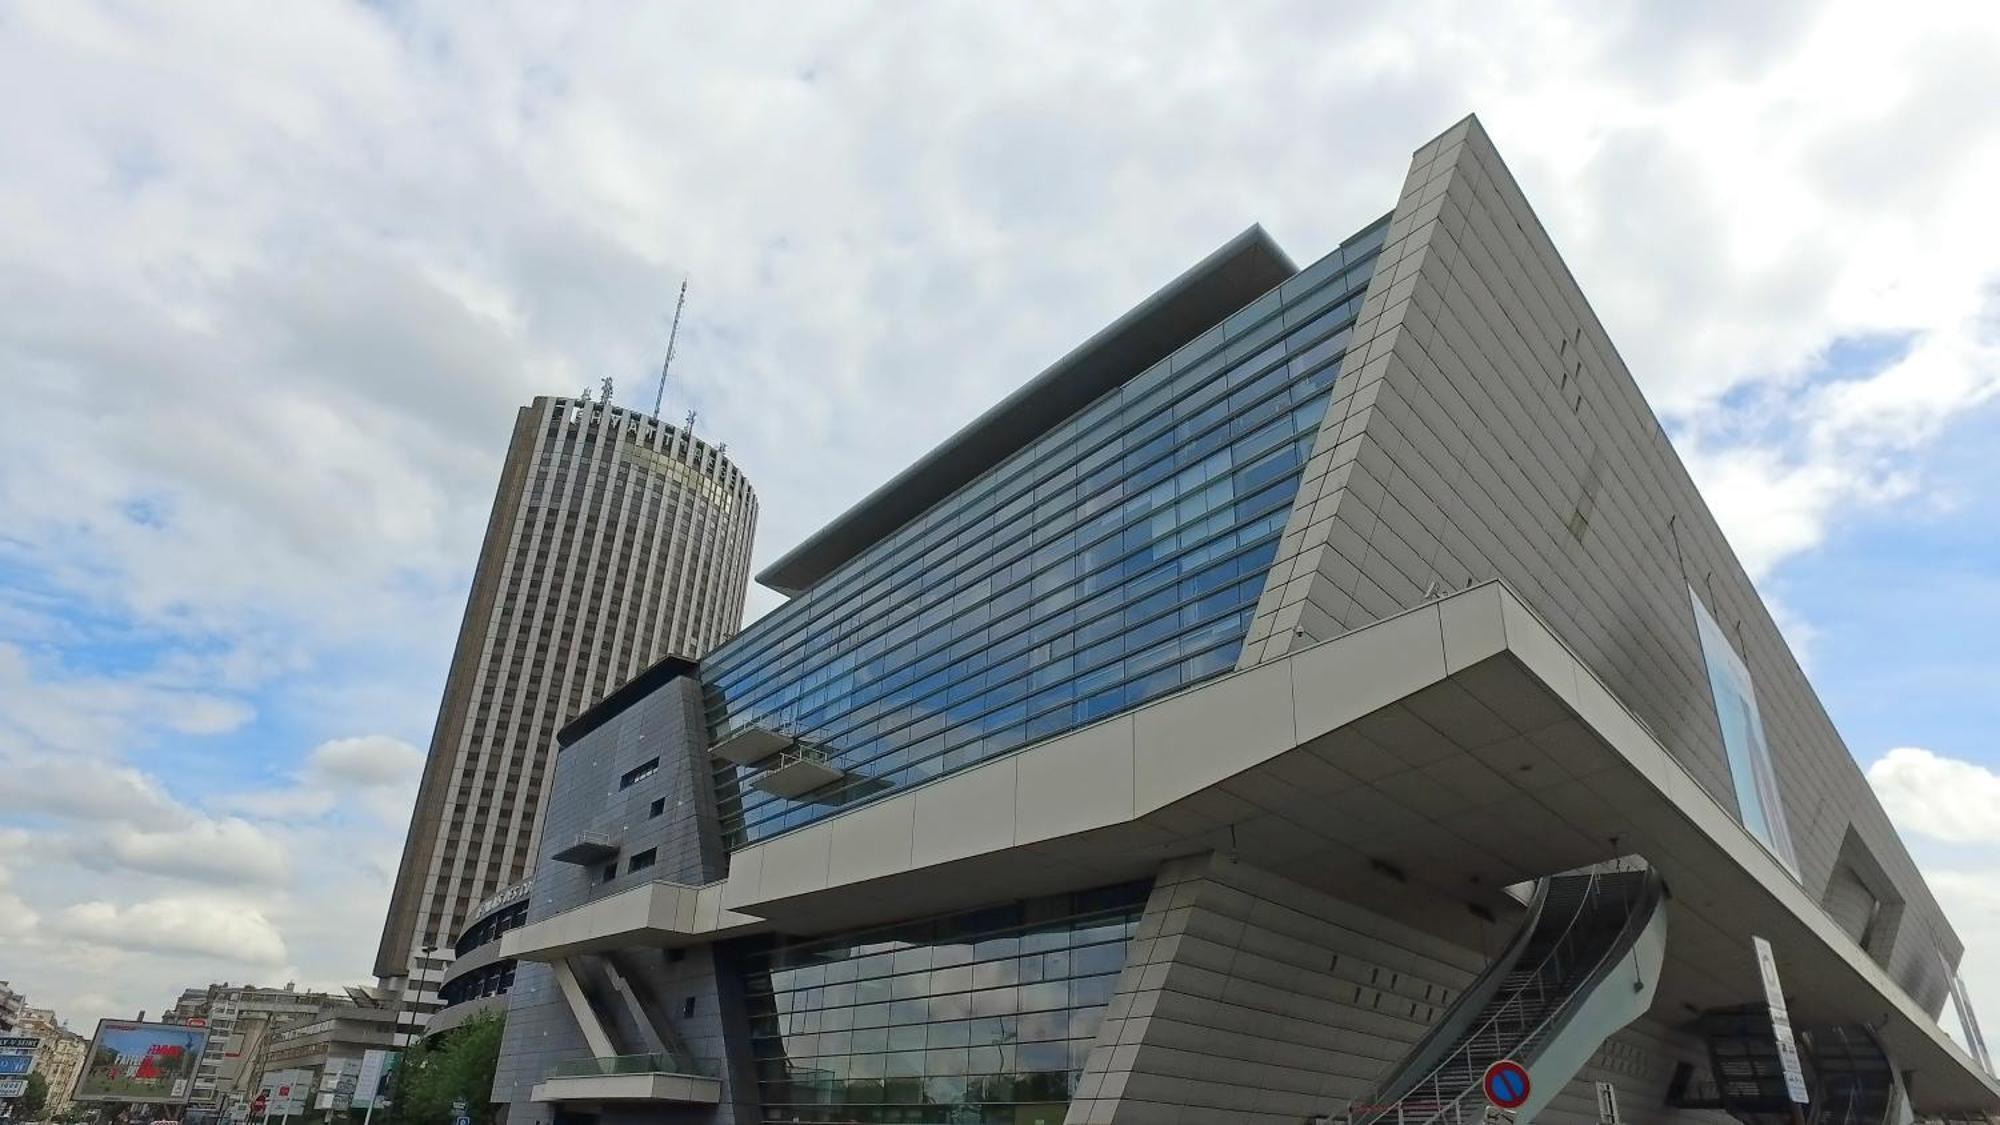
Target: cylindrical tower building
[(615, 540)]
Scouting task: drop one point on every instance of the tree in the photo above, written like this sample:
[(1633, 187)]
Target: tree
[(459, 1064), (29, 1106)]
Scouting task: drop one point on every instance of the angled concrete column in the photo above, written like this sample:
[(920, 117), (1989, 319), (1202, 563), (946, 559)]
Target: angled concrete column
[(579, 1007)]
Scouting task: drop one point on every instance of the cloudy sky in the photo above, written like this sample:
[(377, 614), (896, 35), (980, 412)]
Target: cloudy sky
[(274, 277)]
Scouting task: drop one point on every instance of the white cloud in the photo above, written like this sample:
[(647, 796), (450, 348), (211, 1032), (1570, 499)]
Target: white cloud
[(17, 918), (368, 762), (374, 773), (65, 786), (228, 851), (215, 927), (44, 702), (1942, 798), (1842, 446)]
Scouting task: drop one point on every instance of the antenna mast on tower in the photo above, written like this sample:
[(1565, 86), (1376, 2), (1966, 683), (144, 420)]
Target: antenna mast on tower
[(673, 334)]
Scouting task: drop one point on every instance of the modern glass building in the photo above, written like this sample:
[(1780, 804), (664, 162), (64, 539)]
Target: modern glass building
[(1319, 685), (1115, 558)]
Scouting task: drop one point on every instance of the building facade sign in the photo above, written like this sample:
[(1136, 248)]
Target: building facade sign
[(1781, 1023)]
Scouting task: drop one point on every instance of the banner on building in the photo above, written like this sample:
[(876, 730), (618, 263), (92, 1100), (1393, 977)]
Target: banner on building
[(371, 1086), (13, 1087), (140, 1062)]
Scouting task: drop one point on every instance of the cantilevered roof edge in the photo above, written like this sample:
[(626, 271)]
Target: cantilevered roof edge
[(1238, 272)]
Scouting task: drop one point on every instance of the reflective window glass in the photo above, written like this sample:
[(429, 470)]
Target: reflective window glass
[(1118, 558), (1007, 1052)]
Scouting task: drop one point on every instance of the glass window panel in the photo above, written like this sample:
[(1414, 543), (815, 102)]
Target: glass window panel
[(997, 1059), (917, 635)]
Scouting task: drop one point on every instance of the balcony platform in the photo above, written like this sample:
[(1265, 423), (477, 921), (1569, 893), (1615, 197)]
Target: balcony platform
[(587, 848), (633, 1078), (750, 745), (795, 774)]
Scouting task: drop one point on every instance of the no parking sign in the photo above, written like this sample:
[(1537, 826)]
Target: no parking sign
[(1506, 1084)]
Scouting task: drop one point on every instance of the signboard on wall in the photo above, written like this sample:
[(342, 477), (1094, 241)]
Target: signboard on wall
[(336, 1084), (1781, 1023), (13, 1087)]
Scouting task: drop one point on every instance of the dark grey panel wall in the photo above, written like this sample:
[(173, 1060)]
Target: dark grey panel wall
[(588, 795), (1486, 427)]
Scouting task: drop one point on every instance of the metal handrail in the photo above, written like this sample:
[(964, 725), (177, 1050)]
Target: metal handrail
[(1448, 1031), (1432, 1082), (1455, 1107), (653, 1062)]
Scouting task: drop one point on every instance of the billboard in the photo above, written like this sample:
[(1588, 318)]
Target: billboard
[(13, 1087), (11, 1064), (140, 1062)]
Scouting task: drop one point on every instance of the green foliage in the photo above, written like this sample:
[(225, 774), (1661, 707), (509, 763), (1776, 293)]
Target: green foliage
[(459, 1065), (28, 1107)]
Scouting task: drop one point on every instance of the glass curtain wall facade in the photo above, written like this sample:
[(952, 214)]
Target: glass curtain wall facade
[(985, 1016), (1116, 558)]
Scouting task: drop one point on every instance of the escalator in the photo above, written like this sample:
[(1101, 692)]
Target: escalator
[(1582, 966), (1848, 1074), (1853, 1081), (1748, 1072)]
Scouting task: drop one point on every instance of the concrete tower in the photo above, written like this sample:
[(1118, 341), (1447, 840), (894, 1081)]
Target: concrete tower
[(615, 540)]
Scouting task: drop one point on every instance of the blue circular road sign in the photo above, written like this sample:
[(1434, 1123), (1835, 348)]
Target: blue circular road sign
[(1506, 1084)]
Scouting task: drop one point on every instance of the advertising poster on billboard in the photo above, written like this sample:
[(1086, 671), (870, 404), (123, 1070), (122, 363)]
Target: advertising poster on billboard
[(140, 1062)]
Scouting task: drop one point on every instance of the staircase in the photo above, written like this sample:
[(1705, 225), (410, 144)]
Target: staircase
[(1579, 927)]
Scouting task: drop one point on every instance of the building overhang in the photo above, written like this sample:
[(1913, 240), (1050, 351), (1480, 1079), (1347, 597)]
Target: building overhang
[(1240, 271), (1417, 766), (658, 913), (447, 1018)]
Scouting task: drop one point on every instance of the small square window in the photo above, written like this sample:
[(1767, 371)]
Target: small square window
[(610, 871), (687, 1008), (641, 860), (659, 806)]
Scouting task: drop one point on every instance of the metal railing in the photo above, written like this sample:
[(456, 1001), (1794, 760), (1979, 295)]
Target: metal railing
[(1441, 1094), (655, 1062)]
